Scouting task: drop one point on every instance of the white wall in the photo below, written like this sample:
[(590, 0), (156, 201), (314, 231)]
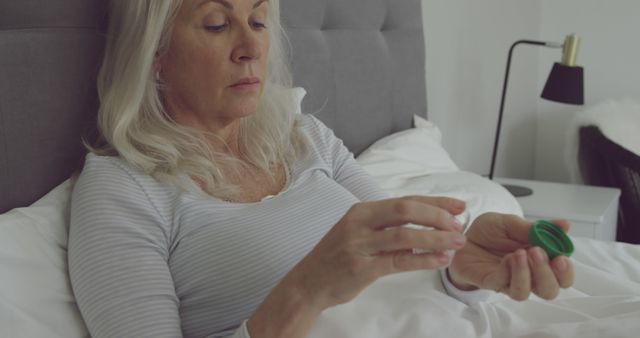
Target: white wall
[(610, 55), (466, 48)]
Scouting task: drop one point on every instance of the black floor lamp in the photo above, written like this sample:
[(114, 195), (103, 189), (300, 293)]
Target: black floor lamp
[(564, 84)]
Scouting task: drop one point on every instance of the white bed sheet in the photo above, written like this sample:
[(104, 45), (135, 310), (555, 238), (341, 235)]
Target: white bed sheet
[(604, 301)]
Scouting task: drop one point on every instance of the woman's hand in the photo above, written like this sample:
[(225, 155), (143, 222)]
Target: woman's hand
[(370, 242), (367, 243), (498, 257)]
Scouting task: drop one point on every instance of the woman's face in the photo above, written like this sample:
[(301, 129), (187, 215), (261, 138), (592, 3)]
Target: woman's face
[(215, 66)]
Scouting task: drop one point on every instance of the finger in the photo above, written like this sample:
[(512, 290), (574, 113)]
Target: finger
[(400, 211), (517, 228), (544, 280), (498, 279), (563, 269), (520, 284), (401, 261), (508, 233), (563, 224), (395, 239), (453, 205)]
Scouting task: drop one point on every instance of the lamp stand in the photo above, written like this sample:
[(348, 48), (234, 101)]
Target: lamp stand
[(514, 190)]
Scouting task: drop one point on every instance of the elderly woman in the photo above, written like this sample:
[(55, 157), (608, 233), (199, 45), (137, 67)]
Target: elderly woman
[(210, 208)]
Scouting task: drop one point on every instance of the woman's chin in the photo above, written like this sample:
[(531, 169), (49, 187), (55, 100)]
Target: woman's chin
[(243, 108), (239, 113)]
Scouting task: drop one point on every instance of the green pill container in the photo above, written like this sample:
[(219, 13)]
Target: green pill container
[(551, 238)]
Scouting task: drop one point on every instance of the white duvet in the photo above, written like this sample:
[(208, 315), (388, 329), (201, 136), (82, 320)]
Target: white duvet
[(604, 301)]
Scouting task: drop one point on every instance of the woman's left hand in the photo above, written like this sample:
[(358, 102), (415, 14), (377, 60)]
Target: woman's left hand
[(497, 256)]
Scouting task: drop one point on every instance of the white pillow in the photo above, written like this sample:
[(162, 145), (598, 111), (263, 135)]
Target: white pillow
[(409, 153), (37, 300), (293, 95), (413, 162)]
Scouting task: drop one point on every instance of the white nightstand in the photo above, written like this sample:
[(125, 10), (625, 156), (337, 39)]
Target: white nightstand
[(592, 211)]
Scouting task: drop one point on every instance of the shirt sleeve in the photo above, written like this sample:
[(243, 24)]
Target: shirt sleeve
[(118, 255), (347, 172), (468, 297)]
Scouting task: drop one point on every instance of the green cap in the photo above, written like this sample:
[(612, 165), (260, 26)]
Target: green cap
[(551, 238)]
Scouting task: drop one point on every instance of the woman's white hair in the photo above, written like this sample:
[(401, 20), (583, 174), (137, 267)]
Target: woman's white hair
[(134, 124)]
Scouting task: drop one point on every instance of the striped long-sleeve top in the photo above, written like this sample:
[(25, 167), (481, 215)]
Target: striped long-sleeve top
[(149, 260)]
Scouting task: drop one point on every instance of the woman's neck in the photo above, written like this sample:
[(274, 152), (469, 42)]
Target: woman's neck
[(223, 135)]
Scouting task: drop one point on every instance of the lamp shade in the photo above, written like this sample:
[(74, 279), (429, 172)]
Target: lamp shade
[(565, 84)]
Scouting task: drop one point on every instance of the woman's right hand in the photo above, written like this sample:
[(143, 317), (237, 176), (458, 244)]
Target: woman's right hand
[(369, 242)]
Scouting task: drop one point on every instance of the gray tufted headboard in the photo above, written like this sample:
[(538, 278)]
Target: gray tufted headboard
[(361, 61), (50, 51)]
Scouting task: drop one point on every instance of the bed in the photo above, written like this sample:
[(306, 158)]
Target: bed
[(362, 65)]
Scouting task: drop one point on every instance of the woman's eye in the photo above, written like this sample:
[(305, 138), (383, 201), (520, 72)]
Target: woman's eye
[(216, 28), (258, 25)]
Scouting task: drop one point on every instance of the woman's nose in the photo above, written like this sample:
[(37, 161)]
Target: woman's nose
[(249, 46)]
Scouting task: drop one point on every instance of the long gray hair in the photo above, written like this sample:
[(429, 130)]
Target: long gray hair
[(135, 125)]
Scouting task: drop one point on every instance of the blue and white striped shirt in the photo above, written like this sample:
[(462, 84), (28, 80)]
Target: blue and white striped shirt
[(148, 260)]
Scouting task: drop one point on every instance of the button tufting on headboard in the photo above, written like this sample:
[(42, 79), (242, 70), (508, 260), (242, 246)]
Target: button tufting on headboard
[(25, 14), (369, 14), (51, 51), (308, 14), (362, 63)]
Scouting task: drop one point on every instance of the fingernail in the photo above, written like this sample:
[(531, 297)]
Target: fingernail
[(462, 219), (457, 221), (457, 225)]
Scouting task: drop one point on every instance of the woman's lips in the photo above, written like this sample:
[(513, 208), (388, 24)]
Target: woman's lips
[(246, 84)]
